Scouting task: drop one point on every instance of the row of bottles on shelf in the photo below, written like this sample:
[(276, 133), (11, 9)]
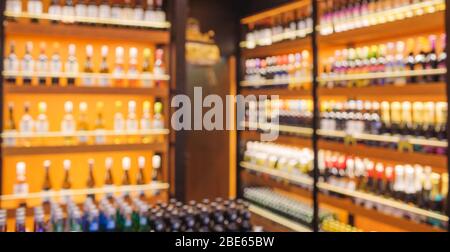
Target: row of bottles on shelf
[(406, 120), (284, 205), (21, 187), (344, 15), (127, 10), (290, 112), (122, 214), (292, 69), (53, 68), (333, 225), (411, 184), (408, 183), (287, 26), (391, 59), (70, 126)]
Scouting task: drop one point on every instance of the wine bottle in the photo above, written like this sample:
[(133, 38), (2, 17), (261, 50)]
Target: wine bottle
[(90, 184)]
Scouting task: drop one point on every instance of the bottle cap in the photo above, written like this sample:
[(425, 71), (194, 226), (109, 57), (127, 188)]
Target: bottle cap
[(156, 161), (83, 106), (119, 52), (42, 107), (67, 163), (133, 52), (131, 106), (105, 50), (126, 163), (141, 162), (91, 162), (72, 49), (146, 106), (147, 53), (68, 106), (29, 46), (89, 50), (158, 107), (109, 162), (21, 168), (47, 163)]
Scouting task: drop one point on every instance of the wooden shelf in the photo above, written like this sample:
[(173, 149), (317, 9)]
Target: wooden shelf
[(81, 192), (297, 4), (87, 32), (433, 22), (283, 93), (45, 150), (410, 92), (437, 162), (265, 83), (345, 203), (273, 217), (301, 131), (155, 91), (285, 47)]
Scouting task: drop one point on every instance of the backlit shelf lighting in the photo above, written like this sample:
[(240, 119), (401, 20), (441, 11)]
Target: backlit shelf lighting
[(396, 74), (90, 20), (91, 133), (157, 77)]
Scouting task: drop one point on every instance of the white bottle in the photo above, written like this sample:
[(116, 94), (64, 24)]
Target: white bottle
[(92, 9), (104, 80), (68, 10), (14, 6), (82, 124), (72, 67), (149, 14), (80, 9), (126, 164), (11, 62), (116, 11), (119, 122), (21, 186), (35, 7), (146, 122), (104, 10), (109, 188), (118, 68), (160, 15), (42, 65), (42, 124), (55, 10), (88, 80), (68, 125), (27, 66), (132, 67), (127, 11), (65, 192), (26, 122), (156, 167), (132, 122)]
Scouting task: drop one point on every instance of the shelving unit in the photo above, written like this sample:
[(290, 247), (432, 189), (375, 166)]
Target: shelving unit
[(419, 19), (80, 31)]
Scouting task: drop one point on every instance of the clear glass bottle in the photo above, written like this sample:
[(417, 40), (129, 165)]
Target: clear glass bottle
[(83, 124), (68, 124), (72, 66), (27, 66)]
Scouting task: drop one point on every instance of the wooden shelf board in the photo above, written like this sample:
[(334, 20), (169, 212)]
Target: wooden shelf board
[(437, 162), (285, 47), (44, 150), (283, 93), (410, 92), (297, 4), (156, 91), (87, 32), (433, 22)]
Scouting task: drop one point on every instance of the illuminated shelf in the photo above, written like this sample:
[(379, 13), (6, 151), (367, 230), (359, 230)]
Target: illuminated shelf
[(283, 93), (298, 179), (409, 92), (276, 11), (383, 201), (280, 128), (87, 32), (365, 196), (284, 47), (90, 133), (296, 227), (437, 162), (382, 138), (285, 140), (397, 74), (65, 149), (280, 82), (97, 76), (282, 37), (81, 192), (427, 22), (89, 20), (155, 91)]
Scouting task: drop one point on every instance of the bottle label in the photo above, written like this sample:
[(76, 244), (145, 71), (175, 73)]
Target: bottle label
[(119, 125), (21, 189), (68, 11), (47, 196), (104, 11), (132, 125), (88, 81), (65, 197), (138, 14), (109, 190), (104, 82), (100, 137), (55, 66), (92, 11), (41, 126), (55, 10), (146, 124), (10, 141), (26, 126), (115, 12), (83, 139)]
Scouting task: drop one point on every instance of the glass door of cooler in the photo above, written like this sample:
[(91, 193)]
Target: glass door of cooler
[(383, 115), (85, 96), (275, 147)]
